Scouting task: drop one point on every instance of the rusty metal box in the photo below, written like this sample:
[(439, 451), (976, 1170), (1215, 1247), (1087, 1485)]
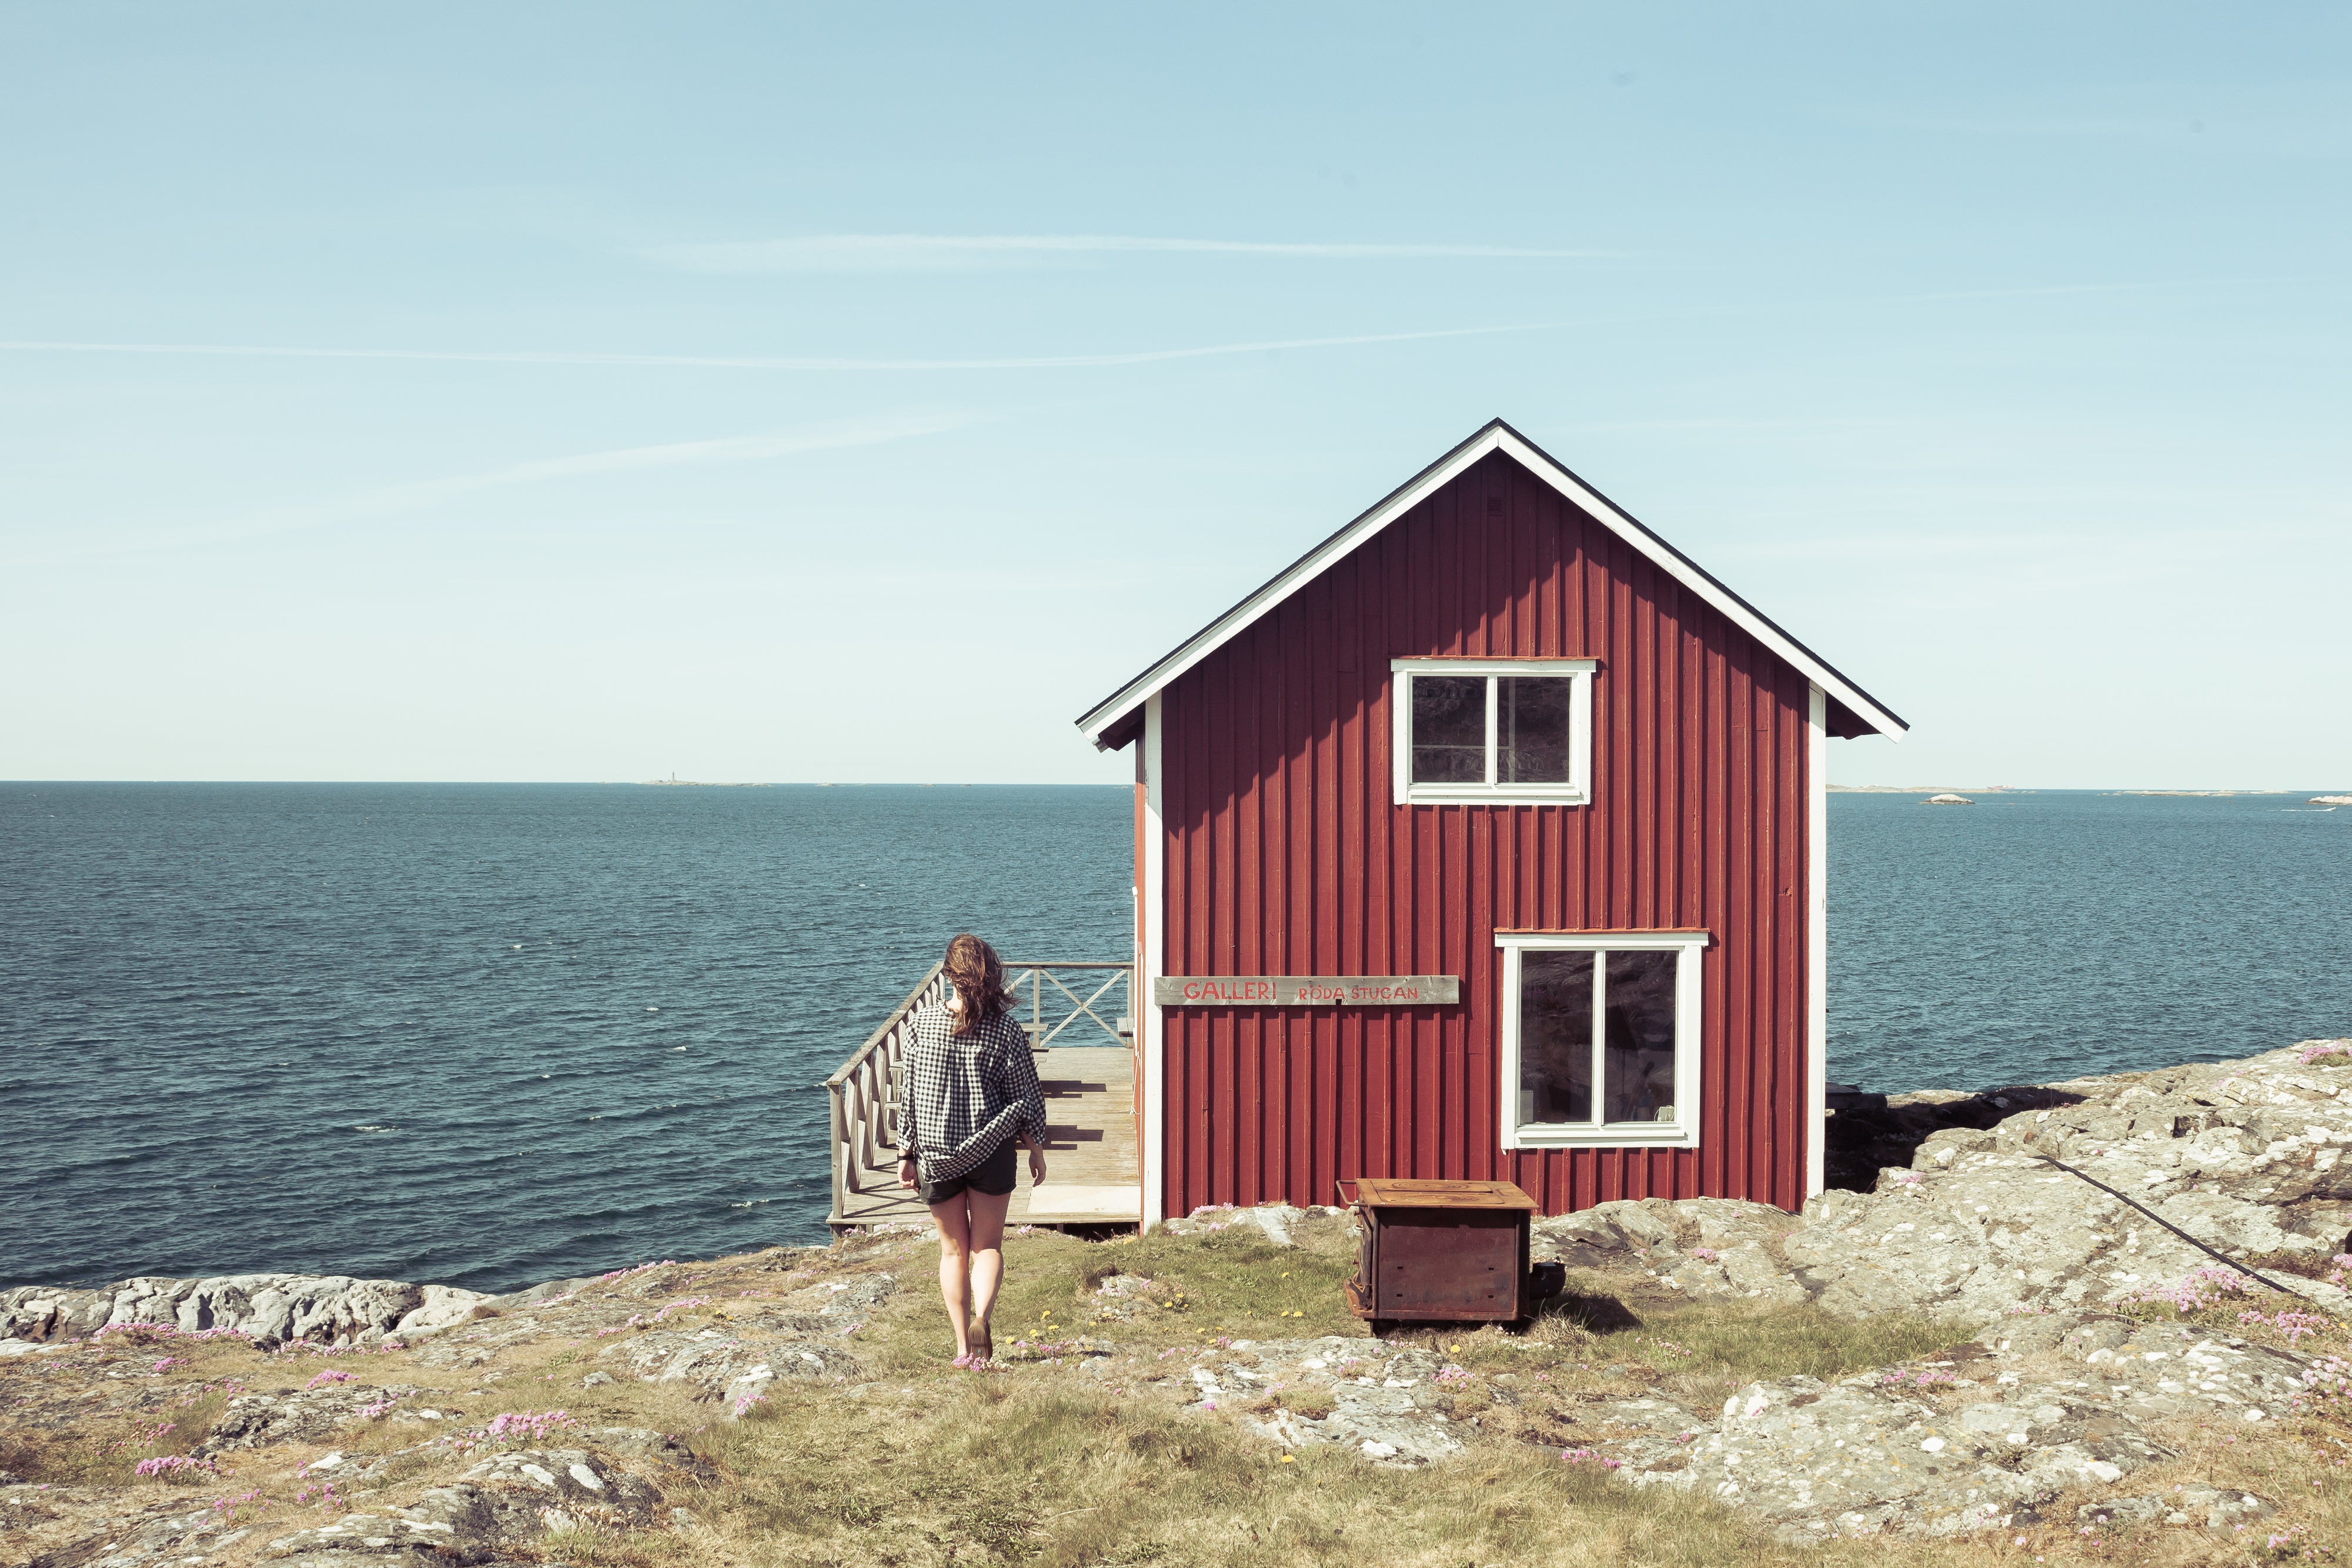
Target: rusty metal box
[(1442, 1251)]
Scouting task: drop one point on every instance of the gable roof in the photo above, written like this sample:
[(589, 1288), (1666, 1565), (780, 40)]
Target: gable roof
[(1116, 720)]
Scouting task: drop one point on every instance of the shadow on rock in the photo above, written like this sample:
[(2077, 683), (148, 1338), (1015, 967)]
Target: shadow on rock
[(1869, 1133)]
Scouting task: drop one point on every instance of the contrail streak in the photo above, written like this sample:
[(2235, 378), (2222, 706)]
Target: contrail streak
[(749, 362)]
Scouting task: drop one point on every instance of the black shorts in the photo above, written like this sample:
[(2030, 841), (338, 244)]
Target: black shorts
[(993, 1176)]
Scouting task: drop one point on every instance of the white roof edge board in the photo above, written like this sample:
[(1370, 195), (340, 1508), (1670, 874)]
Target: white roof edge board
[(1497, 436)]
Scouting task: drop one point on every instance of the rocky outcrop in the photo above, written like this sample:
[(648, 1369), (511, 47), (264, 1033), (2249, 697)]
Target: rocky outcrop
[(505, 1501), (796, 1341), (303, 1416), (270, 1309), (1383, 1403), (1979, 1438), (2055, 1393), (2240, 1125), (166, 1535), (2246, 1157), (2052, 1386)]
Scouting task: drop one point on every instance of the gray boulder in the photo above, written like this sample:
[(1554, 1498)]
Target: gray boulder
[(271, 1309), (198, 1536), (264, 1420), (1983, 1441), (506, 1502), (2247, 1156)]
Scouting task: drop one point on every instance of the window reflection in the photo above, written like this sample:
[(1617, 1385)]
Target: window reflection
[(1449, 729), (1638, 1037), (1531, 727), (1597, 1031), (1555, 1036)]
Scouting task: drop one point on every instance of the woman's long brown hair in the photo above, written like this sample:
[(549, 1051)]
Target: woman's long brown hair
[(979, 979)]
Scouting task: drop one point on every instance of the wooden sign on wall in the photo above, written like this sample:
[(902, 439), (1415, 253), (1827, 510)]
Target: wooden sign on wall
[(1306, 991)]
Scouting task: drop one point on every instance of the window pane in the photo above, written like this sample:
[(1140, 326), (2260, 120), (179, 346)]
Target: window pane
[(1555, 1036), (1638, 1043), (1449, 729), (1531, 730)]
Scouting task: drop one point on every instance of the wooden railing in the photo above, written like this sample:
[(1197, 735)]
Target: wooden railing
[(866, 1088), (1050, 1015)]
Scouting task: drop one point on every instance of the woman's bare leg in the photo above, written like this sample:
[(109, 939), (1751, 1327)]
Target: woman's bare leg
[(955, 1266), (986, 1235)]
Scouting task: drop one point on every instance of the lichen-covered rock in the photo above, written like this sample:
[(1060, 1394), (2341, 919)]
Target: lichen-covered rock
[(172, 1537), (553, 1488), (2248, 1157), (2215, 1508), (1982, 1437), (384, 1539), (1375, 1401), (844, 1298), (808, 1361), (1857, 1457), (476, 1343), (264, 1420), (1981, 1440), (671, 1456), (723, 1365), (503, 1502), (548, 1292), (1274, 1221)]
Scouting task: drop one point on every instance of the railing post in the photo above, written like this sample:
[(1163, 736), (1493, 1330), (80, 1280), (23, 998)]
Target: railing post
[(868, 1144), (840, 1150)]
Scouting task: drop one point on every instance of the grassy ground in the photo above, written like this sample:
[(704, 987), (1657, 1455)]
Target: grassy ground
[(1042, 1463)]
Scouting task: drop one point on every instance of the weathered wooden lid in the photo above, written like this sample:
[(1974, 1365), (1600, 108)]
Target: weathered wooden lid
[(1388, 1192)]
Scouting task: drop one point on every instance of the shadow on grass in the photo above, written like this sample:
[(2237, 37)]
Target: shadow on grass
[(1594, 1313)]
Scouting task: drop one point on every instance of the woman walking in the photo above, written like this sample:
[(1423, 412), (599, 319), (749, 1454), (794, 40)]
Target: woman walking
[(971, 1100)]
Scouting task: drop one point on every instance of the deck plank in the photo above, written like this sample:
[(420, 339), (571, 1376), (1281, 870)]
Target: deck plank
[(1093, 1172)]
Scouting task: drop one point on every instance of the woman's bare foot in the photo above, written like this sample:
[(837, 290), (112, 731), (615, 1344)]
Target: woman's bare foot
[(983, 1346)]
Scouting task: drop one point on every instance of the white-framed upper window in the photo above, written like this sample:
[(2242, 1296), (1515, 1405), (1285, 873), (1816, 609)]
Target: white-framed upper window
[(1600, 1039), (1492, 731)]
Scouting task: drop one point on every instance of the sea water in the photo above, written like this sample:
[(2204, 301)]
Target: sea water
[(489, 1035)]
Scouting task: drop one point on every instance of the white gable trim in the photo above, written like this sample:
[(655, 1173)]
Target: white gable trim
[(1496, 437)]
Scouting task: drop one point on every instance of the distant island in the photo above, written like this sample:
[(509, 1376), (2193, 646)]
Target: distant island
[(2197, 794), (1928, 790), (675, 782), (2013, 789)]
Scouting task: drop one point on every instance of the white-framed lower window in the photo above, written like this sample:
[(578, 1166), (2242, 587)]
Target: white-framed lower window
[(1492, 731), (1600, 1039)]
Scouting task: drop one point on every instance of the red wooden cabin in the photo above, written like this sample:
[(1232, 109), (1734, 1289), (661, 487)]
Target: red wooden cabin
[(1488, 836)]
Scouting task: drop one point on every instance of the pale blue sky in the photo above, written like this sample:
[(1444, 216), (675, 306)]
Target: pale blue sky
[(547, 393)]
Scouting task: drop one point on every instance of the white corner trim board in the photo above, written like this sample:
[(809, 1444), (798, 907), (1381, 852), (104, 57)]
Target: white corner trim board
[(1153, 963), (1817, 942)]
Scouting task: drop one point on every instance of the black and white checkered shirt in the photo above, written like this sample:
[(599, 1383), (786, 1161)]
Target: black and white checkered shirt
[(966, 1094)]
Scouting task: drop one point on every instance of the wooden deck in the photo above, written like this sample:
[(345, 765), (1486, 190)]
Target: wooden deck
[(1093, 1172)]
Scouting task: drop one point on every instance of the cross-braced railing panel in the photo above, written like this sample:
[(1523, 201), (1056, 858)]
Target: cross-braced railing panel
[(1107, 1001), (865, 1090)]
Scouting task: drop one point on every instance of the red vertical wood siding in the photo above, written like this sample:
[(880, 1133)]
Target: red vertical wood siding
[(1284, 855)]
